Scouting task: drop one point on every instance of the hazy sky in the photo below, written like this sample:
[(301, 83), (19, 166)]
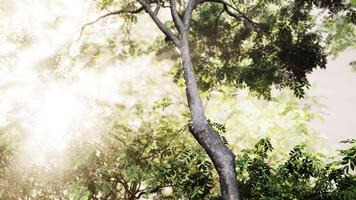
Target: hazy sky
[(335, 89)]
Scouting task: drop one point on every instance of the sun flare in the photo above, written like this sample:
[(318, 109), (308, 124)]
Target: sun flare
[(49, 113), (56, 120)]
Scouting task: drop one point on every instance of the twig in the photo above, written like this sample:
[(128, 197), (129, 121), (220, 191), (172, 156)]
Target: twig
[(217, 19), (158, 6), (238, 15), (118, 12)]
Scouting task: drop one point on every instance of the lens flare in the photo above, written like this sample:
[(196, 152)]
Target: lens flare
[(56, 120)]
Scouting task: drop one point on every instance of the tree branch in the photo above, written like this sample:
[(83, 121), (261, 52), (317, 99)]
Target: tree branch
[(159, 23), (217, 19), (176, 18), (118, 12), (188, 13), (152, 190), (239, 15), (157, 7)]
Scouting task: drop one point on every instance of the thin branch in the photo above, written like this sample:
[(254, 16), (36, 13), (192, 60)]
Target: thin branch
[(217, 19), (152, 190), (238, 15), (188, 13), (158, 6), (176, 18), (232, 113), (159, 23), (118, 12), (164, 5)]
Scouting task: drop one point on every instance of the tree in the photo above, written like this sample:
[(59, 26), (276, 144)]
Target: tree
[(132, 160), (260, 44), (302, 176), (342, 33)]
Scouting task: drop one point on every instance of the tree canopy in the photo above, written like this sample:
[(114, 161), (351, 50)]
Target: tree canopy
[(136, 144), (258, 44)]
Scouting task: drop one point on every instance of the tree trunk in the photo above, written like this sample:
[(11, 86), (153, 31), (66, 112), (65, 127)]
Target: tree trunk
[(221, 156)]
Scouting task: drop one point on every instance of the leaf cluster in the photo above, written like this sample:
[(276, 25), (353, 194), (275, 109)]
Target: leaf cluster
[(302, 176), (276, 46)]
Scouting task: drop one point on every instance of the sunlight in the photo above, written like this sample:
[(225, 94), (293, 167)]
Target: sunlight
[(56, 121), (54, 100), (49, 113)]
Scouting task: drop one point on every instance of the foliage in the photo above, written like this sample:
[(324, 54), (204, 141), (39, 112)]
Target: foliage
[(341, 30), (272, 43), (284, 119), (145, 161), (276, 45), (145, 145), (343, 34), (158, 160), (302, 176), (148, 153)]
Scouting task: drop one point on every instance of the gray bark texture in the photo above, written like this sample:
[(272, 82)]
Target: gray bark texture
[(219, 153), (221, 156)]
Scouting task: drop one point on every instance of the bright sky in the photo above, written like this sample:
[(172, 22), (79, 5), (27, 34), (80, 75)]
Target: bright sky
[(335, 89), (51, 109), (54, 103)]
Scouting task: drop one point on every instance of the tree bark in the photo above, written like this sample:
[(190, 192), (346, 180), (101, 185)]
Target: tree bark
[(221, 156)]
